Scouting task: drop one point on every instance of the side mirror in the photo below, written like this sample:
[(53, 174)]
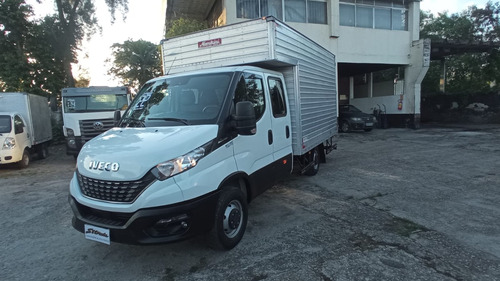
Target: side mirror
[(244, 118), (117, 117)]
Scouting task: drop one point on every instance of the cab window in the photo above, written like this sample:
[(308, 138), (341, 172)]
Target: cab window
[(18, 125), (250, 88), (278, 102)]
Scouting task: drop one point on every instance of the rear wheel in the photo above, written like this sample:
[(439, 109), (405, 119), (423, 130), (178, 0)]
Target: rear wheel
[(231, 216), (25, 161), (43, 151), (368, 130), (314, 162)]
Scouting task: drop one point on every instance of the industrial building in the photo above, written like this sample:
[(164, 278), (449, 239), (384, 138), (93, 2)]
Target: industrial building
[(381, 61)]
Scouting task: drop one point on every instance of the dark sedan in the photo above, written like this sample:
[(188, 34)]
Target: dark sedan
[(351, 118)]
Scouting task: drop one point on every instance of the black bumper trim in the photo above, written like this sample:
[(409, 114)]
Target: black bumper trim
[(139, 227)]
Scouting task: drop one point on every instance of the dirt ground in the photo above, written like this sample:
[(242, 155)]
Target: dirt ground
[(395, 204)]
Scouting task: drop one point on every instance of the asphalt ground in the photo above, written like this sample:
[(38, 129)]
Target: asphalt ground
[(394, 204)]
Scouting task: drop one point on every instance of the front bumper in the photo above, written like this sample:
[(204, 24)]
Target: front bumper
[(153, 225)]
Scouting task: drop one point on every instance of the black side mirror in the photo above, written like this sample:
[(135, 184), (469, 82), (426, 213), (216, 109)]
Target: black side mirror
[(117, 117), (244, 118)]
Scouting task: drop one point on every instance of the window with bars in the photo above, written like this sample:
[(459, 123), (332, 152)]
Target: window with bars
[(377, 14), (307, 11)]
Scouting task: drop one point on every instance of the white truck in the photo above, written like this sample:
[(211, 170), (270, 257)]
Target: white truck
[(88, 112), (242, 105), (25, 128)]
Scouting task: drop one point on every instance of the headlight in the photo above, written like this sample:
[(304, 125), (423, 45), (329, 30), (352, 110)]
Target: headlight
[(180, 164), (9, 143), (356, 119)]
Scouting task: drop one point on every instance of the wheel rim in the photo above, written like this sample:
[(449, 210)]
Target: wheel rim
[(233, 218), (345, 127), (315, 159)]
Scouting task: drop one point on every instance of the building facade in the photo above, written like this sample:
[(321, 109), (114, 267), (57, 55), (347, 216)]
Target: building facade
[(381, 60)]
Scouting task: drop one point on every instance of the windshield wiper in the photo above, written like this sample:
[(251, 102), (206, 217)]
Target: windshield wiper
[(129, 121), (183, 121)]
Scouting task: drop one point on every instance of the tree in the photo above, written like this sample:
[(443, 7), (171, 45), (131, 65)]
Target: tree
[(468, 72), (77, 20), (135, 62), (37, 55), (183, 26), (15, 31)]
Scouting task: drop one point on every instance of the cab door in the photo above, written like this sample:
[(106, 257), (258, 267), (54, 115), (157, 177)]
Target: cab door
[(280, 125), (22, 134), (254, 153)]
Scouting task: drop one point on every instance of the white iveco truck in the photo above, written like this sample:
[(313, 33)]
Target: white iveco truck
[(88, 112), (242, 105), (25, 128)]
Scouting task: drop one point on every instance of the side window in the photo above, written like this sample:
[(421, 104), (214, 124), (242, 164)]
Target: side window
[(250, 88), (278, 100), (18, 125)]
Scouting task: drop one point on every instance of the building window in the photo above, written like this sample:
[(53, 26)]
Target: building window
[(307, 11), (382, 18), (247, 9), (317, 12), (272, 8), (383, 14), (347, 15)]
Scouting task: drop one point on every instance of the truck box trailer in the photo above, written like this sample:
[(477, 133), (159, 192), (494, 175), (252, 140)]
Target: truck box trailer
[(309, 69), (25, 127), (240, 107)]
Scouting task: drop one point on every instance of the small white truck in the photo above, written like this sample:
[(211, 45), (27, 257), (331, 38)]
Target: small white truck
[(88, 112), (25, 128), (242, 106)]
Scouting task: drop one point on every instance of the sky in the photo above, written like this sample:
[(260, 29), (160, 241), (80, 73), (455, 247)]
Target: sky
[(145, 20), (451, 6)]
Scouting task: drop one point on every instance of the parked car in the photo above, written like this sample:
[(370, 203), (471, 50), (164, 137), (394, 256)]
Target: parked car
[(351, 118)]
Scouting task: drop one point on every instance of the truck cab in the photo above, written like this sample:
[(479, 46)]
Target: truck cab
[(15, 139), (88, 112), (201, 138)]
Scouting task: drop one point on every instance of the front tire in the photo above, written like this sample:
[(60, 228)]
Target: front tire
[(231, 214), (345, 127), (25, 161)]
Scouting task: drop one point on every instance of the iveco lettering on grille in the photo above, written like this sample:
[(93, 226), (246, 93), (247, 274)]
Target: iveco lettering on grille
[(104, 166)]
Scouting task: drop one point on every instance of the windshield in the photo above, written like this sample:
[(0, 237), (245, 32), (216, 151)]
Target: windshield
[(94, 103), (185, 100), (5, 124)]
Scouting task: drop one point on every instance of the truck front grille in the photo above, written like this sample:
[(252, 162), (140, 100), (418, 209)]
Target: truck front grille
[(92, 128), (114, 191)]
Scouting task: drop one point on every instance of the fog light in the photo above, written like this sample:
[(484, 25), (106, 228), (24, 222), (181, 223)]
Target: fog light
[(174, 220)]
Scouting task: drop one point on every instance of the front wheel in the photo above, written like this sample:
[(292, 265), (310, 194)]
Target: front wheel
[(231, 214), (344, 127), (25, 161)]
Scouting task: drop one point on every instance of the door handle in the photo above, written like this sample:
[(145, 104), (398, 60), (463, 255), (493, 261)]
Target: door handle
[(270, 137), (287, 132)]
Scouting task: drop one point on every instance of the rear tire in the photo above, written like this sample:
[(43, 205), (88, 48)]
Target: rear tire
[(43, 151), (368, 130), (25, 160), (231, 214), (313, 158)]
